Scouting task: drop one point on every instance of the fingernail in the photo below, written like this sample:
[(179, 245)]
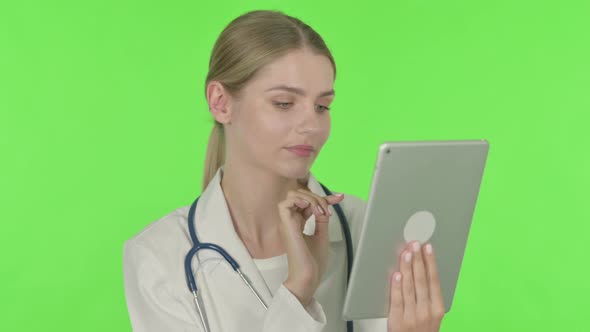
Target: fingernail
[(429, 248), (321, 210), (416, 246), (339, 195), (408, 257)]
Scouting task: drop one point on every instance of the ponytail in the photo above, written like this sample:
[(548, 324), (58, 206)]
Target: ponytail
[(215, 154)]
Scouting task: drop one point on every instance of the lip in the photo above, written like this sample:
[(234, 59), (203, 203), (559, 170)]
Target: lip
[(301, 150), (301, 147)]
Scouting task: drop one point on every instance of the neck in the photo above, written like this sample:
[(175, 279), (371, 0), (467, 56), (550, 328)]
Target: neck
[(252, 194)]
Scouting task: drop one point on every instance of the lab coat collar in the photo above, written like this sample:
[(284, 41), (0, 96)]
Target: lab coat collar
[(213, 224)]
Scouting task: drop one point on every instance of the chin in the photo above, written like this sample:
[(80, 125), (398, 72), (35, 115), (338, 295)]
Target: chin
[(294, 171)]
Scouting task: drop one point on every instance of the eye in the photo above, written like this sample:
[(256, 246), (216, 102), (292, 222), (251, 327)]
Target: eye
[(282, 105), (325, 108)]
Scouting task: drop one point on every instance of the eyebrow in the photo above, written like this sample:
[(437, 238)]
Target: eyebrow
[(300, 91)]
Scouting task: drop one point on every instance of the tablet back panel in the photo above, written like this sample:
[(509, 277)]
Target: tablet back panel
[(433, 183)]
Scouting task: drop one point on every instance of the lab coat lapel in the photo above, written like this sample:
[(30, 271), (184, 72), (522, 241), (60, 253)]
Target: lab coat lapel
[(234, 304), (224, 293)]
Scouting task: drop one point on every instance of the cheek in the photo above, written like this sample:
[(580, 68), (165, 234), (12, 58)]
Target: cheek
[(271, 125), (272, 122), (266, 129), (326, 128)]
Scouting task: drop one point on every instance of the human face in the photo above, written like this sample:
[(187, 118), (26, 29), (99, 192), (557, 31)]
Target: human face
[(285, 104)]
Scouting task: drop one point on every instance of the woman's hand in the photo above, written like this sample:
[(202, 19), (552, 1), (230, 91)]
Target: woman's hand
[(416, 303), (307, 255)]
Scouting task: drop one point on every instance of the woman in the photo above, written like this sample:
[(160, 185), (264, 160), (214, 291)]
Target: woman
[(269, 89)]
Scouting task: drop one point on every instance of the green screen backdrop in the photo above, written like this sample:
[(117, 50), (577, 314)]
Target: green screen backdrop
[(104, 125)]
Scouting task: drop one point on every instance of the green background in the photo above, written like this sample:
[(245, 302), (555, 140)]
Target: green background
[(104, 124)]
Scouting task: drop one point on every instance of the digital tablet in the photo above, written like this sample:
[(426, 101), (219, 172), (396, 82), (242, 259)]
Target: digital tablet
[(422, 190)]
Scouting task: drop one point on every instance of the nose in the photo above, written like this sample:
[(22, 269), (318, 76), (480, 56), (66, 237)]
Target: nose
[(310, 122)]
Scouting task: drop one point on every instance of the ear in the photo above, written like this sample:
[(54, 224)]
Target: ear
[(218, 100)]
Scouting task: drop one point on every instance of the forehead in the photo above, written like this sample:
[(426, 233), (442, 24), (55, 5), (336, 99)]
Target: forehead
[(301, 68)]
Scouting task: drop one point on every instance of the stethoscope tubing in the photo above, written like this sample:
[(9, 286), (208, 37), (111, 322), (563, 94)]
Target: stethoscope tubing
[(197, 245)]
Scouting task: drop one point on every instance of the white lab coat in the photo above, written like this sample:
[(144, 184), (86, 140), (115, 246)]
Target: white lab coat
[(156, 289)]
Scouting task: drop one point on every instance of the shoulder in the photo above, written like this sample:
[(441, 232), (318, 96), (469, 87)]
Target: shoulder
[(162, 237), (153, 274)]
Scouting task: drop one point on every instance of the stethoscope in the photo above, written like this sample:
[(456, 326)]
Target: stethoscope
[(197, 245)]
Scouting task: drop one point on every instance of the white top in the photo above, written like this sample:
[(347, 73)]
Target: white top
[(274, 270)]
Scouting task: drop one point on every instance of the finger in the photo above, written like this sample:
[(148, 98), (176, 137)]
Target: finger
[(396, 301), (289, 214), (309, 209), (321, 219), (438, 306), (334, 198), (301, 203), (296, 243), (322, 203), (291, 220), (305, 210), (420, 279), (314, 204), (408, 286)]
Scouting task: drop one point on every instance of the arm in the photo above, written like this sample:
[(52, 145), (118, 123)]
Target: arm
[(286, 313), (151, 304)]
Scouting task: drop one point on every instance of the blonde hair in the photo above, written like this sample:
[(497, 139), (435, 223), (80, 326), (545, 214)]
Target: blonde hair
[(248, 43)]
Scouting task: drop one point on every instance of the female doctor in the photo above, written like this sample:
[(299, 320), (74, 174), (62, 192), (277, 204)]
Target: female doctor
[(269, 89)]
